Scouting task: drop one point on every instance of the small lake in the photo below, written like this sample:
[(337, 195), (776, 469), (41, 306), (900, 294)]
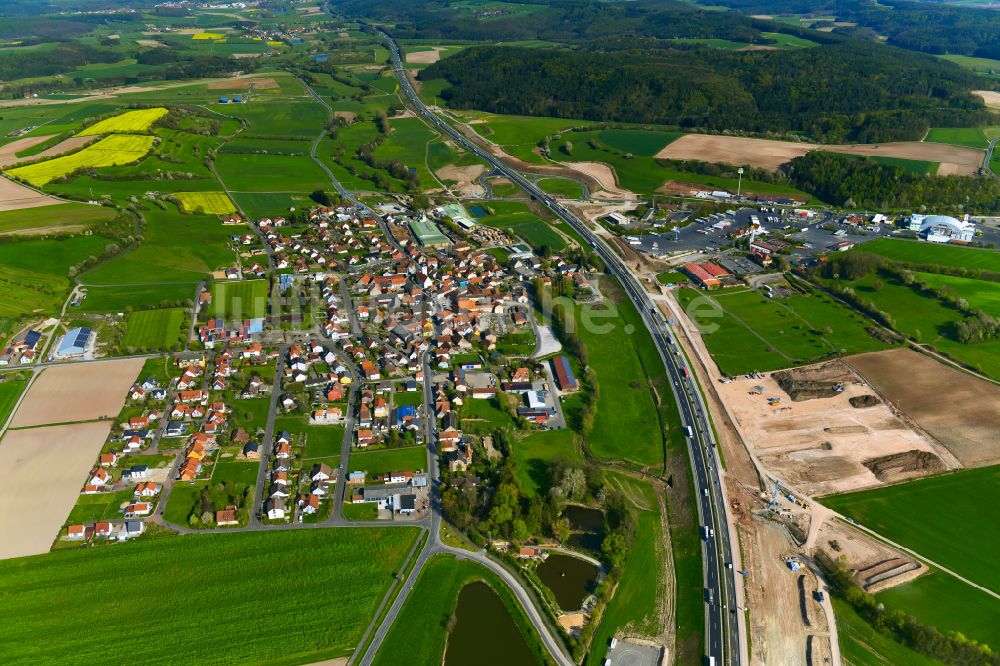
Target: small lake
[(590, 541), (484, 632), (570, 579), (477, 211), (585, 519)]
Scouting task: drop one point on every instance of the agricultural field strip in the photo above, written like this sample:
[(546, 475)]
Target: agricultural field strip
[(139, 120), (113, 150)]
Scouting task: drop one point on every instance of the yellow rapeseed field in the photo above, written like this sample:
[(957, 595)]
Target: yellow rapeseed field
[(207, 35), (139, 120), (214, 203), (112, 150)]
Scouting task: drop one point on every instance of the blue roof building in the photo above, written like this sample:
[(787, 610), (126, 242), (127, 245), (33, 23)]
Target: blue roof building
[(74, 343)]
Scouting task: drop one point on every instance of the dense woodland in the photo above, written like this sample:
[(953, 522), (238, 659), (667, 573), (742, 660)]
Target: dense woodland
[(932, 27), (855, 92), (853, 181)]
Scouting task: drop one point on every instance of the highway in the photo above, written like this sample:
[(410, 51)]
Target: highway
[(722, 631)]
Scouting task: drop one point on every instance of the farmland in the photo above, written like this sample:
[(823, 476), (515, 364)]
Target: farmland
[(744, 331), (175, 248), (928, 320), (155, 329), (139, 120), (951, 256), (638, 599), (239, 300), (10, 390), (118, 299), (205, 586), (516, 218), (60, 217), (862, 645), (419, 634), (412, 458), (33, 273), (958, 136), (270, 173), (213, 203), (110, 151), (914, 515)]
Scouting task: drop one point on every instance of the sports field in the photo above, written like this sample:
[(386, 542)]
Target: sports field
[(110, 151), (139, 120), (239, 300), (212, 203), (155, 329), (208, 588), (411, 458), (940, 517), (419, 635), (744, 331), (915, 252)]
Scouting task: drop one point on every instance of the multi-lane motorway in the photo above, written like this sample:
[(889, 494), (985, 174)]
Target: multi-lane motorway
[(722, 644)]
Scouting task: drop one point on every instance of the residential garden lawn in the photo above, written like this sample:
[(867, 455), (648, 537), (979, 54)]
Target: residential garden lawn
[(117, 299), (60, 217), (413, 398), (916, 252), (483, 416), (941, 600), (106, 506), (156, 329), (561, 187), (10, 390), (183, 495), (939, 517), (33, 273), (755, 333), (536, 452), (927, 319), (110, 151), (206, 586), (271, 173), (972, 137), (516, 218), (161, 369), (138, 120), (628, 424), (411, 458), (420, 632), (637, 600), (235, 472), (213, 203), (361, 512), (175, 248), (239, 300), (862, 645), (250, 414), (324, 441)]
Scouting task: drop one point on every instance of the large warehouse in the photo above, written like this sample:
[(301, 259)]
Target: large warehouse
[(74, 343), (943, 228)]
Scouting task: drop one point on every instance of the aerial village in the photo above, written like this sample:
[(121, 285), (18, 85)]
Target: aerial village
[(381, 336)]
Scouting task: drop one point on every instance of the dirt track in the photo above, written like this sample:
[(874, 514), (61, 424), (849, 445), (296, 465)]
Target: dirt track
[(769, 154), (53, 461), (77, 392), (965, 418)]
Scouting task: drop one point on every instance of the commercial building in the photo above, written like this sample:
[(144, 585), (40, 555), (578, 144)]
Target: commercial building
[(707, 273), (943, 228), (74, 343), (427, 233), (564, 374)]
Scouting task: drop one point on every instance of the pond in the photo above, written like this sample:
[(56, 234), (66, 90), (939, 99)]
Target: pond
[(478, 211), (484, 633), (570, 579), (586, 541), (585, 519)]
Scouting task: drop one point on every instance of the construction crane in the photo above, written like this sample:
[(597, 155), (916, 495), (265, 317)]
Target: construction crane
[(776, 495)]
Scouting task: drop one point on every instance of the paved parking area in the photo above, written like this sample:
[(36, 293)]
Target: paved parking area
[(628, 654)]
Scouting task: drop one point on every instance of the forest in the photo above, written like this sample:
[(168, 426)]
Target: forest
[(850, 92), (932, 27), (853, 181)]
